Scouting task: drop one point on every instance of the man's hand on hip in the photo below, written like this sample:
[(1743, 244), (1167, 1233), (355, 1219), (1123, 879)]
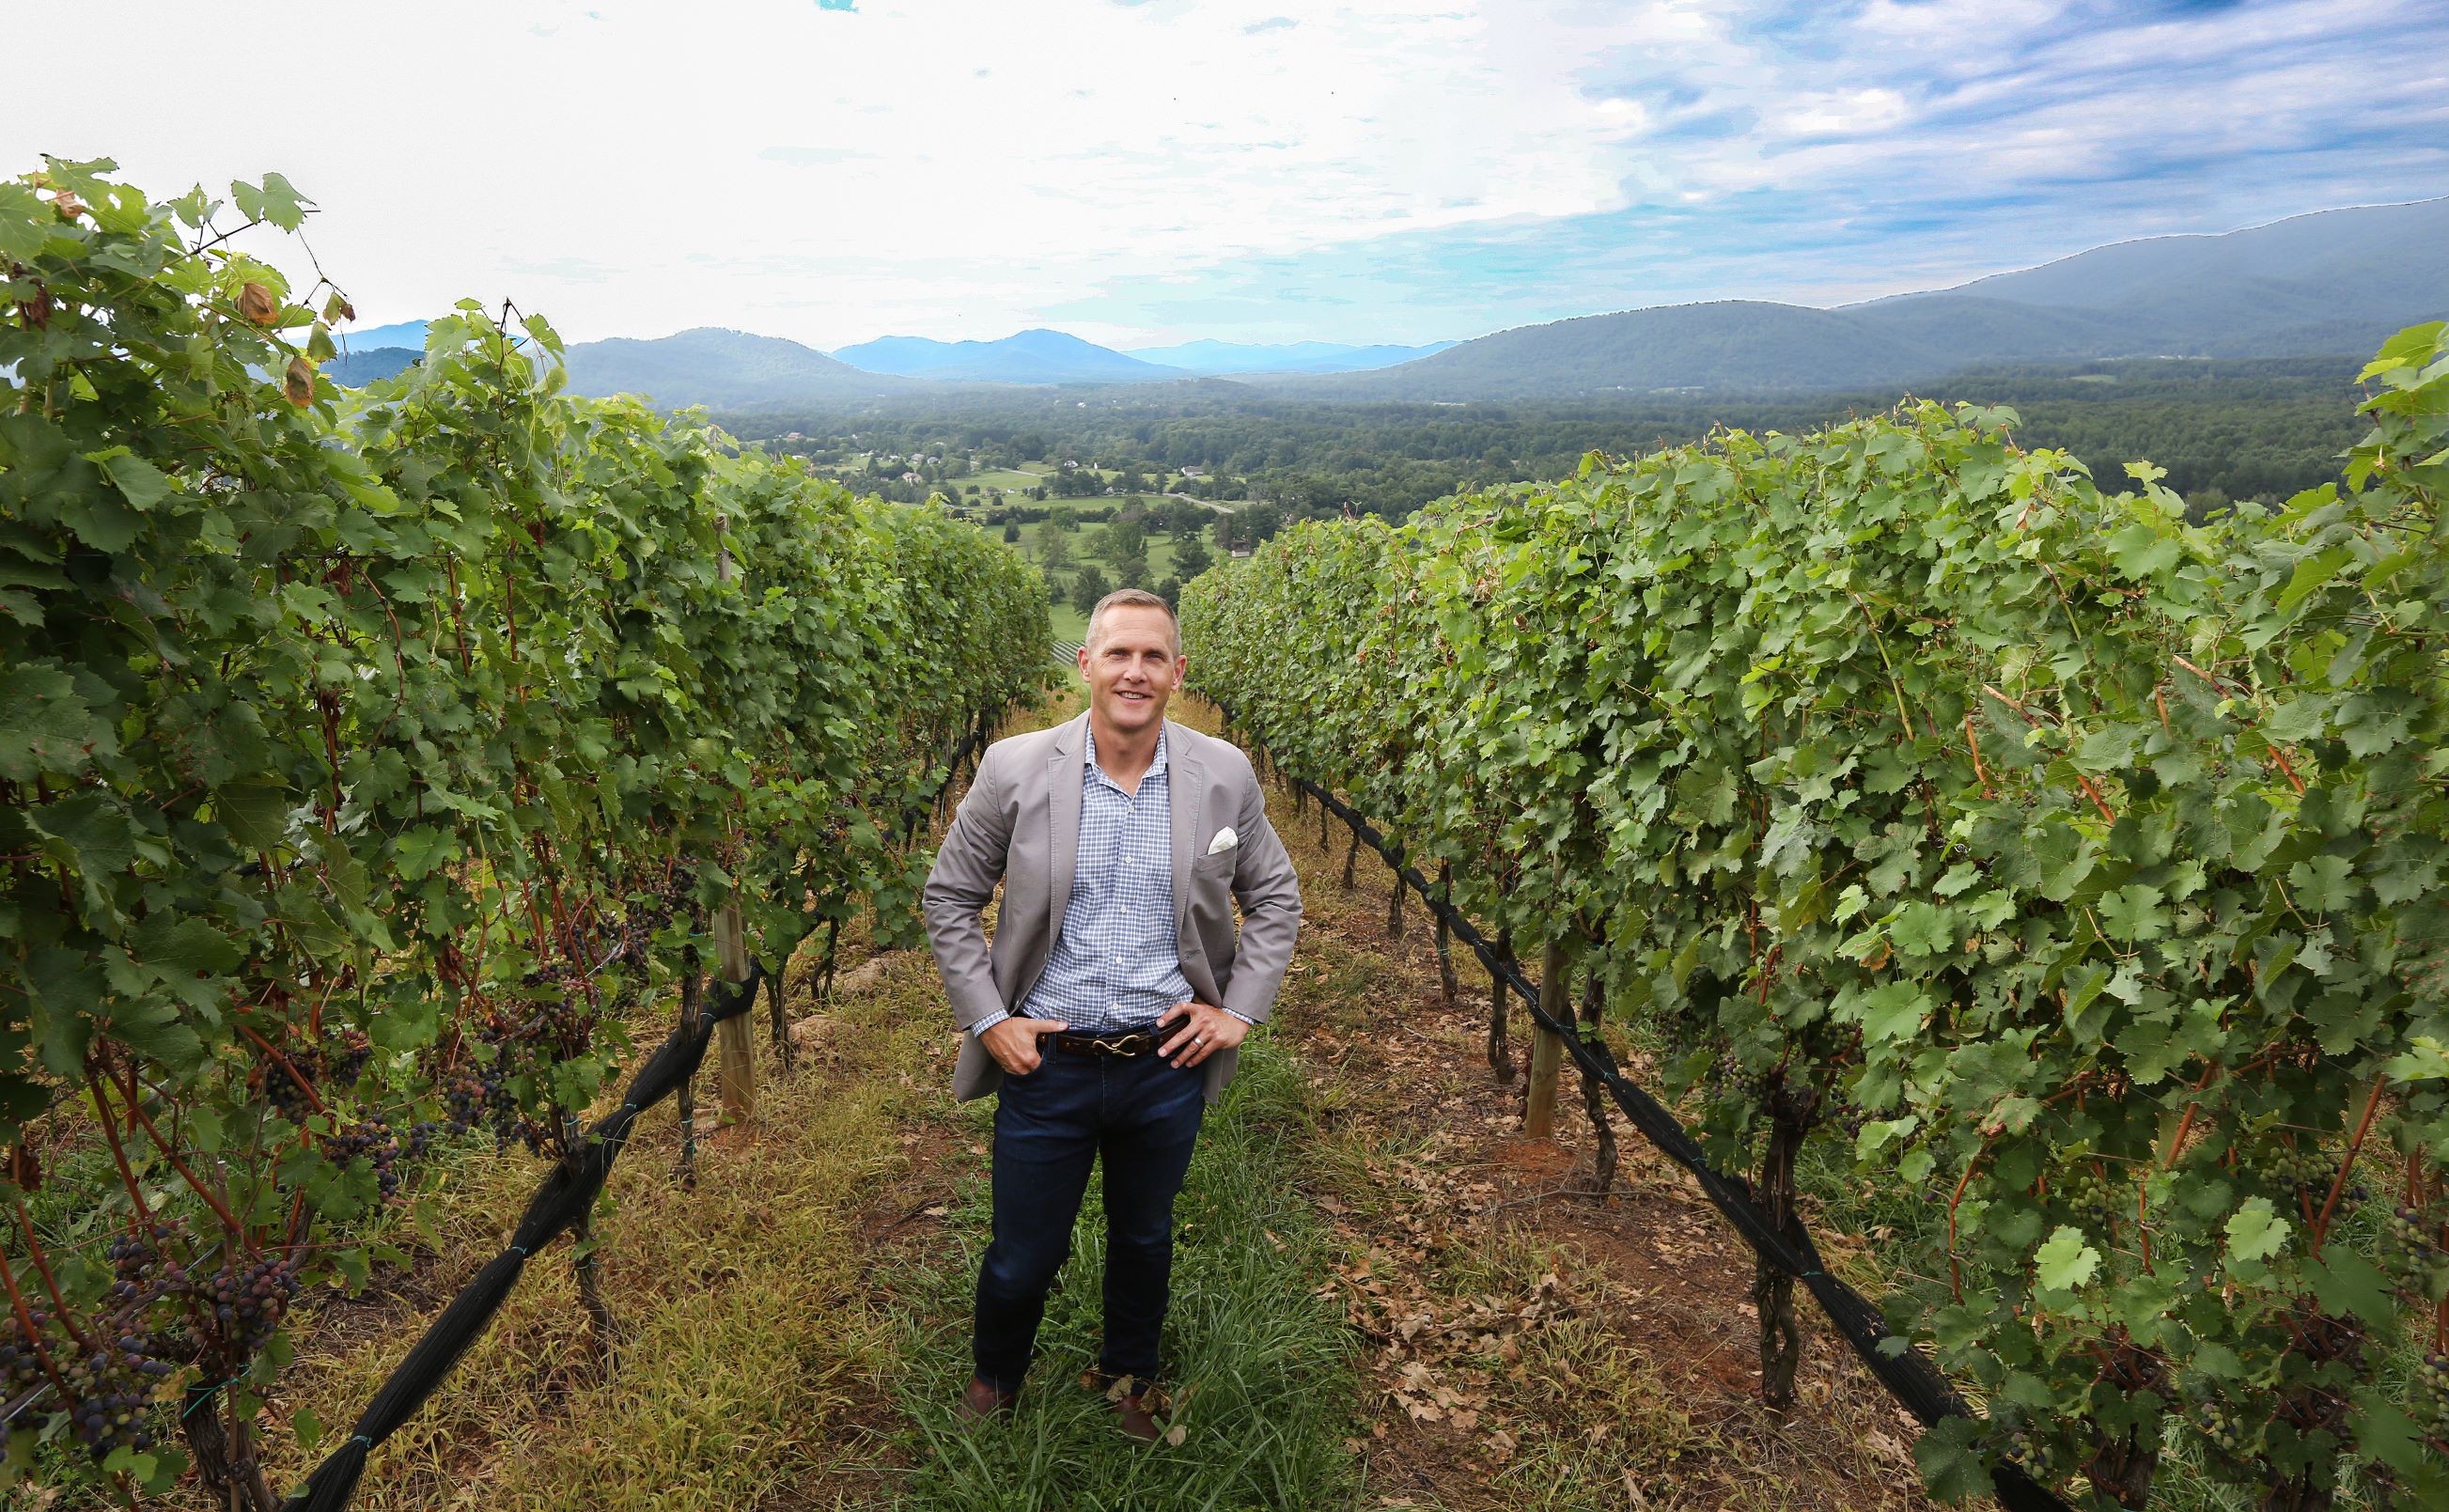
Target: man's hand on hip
[(1201, 1031), (1015, 1042)]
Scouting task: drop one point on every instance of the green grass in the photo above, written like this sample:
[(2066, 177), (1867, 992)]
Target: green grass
[(746, 1327), (1003, 479), (1069, 623), (1260, 1367)]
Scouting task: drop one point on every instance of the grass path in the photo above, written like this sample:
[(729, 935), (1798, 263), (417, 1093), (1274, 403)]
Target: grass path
[(1258, 1360)]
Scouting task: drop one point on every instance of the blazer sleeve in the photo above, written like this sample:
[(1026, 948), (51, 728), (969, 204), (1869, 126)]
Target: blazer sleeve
[(1269, 888), (968, 865)]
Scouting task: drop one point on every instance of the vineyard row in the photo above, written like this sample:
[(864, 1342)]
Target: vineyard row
[(2028, 844), (370, 761)]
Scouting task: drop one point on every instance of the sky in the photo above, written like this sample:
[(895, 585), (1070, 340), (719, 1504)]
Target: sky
[(1258, 170)]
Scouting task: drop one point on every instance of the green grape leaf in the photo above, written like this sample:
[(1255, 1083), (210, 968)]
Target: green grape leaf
[(2064, 1261), (44, 725), (2256, 1232)]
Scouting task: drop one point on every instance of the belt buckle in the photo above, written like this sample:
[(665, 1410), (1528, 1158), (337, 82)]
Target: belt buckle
[(1128, 1045)]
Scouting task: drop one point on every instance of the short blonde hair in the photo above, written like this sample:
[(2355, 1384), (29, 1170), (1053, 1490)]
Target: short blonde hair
[(1131, 598)]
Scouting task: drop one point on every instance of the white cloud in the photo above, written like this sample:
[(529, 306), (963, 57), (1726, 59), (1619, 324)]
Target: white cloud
[(826, 160), (958, 168)]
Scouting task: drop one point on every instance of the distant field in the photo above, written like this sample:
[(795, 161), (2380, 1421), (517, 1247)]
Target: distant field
[(1005, 479), (1069, 624), (1160, 550)]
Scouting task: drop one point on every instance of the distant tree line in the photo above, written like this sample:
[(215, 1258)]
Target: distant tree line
[(2223, 429)]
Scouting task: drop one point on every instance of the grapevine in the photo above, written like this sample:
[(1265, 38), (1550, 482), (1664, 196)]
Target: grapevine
[(369, 761), (2082, 865)]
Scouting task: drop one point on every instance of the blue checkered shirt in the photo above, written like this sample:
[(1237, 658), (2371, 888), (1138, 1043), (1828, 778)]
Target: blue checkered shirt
[(1117, 963)]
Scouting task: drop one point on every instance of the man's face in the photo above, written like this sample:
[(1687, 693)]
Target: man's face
[(1131, 669)]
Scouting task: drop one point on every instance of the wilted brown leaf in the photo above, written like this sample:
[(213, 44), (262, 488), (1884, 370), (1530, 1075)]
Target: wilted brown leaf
[(300, 381), (256, 306)]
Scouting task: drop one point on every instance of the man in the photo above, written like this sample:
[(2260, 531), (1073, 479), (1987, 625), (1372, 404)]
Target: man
[(1110, 1007)]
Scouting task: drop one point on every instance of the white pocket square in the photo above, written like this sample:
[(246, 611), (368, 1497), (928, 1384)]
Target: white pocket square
[(1225, 839)]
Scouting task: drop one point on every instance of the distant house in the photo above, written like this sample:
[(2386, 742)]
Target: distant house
[(1194, 472), (912, 477), (1241, 551)]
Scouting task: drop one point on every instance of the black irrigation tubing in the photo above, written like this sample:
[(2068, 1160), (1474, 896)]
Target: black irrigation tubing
[(1908, 1375), (565, 1197)]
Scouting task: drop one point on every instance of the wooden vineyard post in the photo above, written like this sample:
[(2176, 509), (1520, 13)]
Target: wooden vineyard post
[(737, 1076), (1546, 1046)]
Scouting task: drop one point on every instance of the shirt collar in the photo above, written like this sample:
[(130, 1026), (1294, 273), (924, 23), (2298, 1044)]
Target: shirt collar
[(1089, 755)]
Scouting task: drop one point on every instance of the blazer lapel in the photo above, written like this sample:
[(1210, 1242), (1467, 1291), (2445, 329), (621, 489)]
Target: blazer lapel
[(1063, 816), (1187, 789)]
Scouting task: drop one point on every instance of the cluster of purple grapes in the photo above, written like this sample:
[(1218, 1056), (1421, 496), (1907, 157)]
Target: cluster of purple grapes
[(2223, 1429), (142, 1272), (277, 1084), (1727, 1078), (109, 1389), (2097, 1198), (479, 1098), (2414, 1235), (347, 1056), (2432, 1392), (560, 1018), (21, 1362), (467, 1098), (241, 1303), (2305, 1168), (339, 1063), (110, 1395), (373, 1139), (652, 907), (422, 1136), (2028, 1448)]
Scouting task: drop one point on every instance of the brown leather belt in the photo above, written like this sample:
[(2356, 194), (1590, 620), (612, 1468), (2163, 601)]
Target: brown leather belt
[(1136, 1042)]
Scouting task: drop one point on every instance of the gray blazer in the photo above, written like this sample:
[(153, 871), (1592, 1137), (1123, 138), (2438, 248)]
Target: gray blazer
[(1020, 825)]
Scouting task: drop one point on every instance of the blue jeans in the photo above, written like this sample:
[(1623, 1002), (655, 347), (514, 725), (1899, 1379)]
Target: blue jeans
[(1140, 1114)]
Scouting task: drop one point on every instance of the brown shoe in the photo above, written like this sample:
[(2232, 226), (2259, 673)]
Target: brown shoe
[(1133, 1411), (981, 1403)]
